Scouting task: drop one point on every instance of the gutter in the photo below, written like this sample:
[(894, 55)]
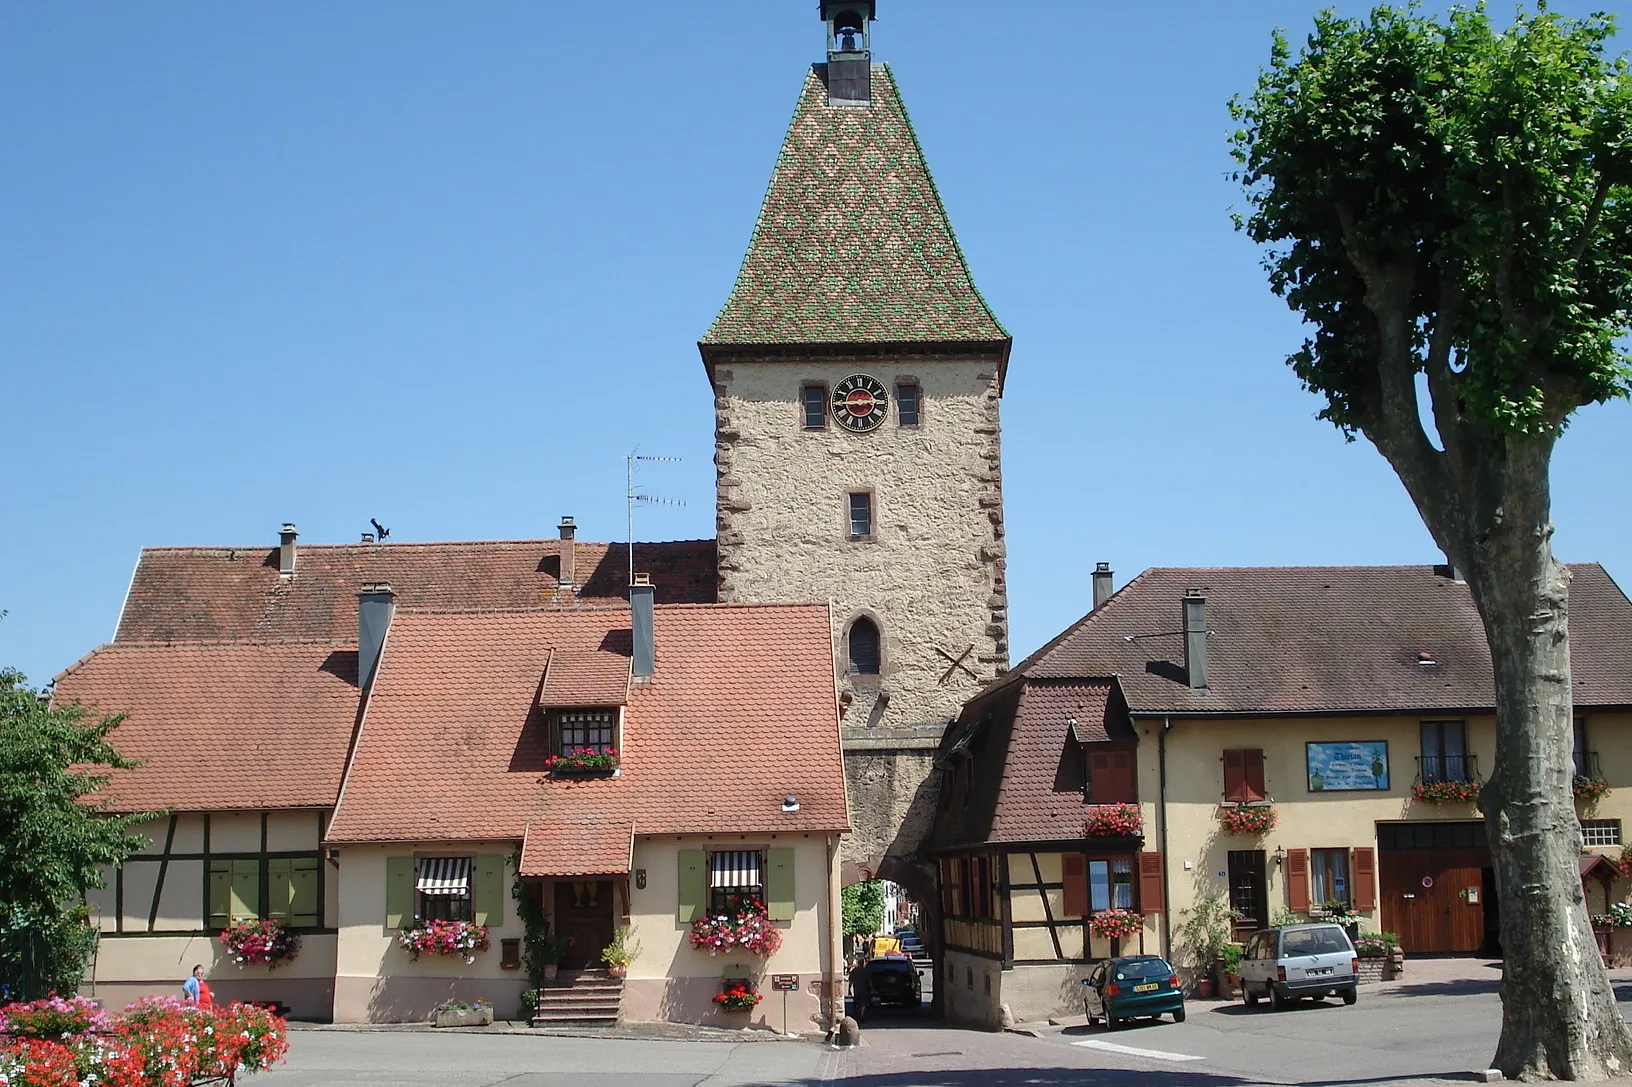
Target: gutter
[(1161, 805)]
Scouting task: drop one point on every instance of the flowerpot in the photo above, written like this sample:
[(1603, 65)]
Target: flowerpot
[(468, 1017), (1204, 988), (617, 970), (551, 970)]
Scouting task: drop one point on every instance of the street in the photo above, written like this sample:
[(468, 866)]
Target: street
[(1433, 1029)]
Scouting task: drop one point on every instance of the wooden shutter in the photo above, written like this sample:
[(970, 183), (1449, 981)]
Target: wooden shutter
[(1252, 769), (399, 891), (305, 910), (1365, 865), (279, 890), (1235, 775), (1150, 883), (246, 889), (220, 894), (1297, 880), (1123, 791), (693, 884), (487, 890), (1074, 872), (1099, 772), (780, 903)]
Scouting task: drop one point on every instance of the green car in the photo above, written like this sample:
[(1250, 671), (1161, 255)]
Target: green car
[(1135, 985)]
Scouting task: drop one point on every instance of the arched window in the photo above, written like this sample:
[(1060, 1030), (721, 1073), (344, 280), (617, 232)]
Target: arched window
[(864, 647)]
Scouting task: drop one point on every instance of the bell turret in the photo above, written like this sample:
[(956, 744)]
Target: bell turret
[(849, 51)]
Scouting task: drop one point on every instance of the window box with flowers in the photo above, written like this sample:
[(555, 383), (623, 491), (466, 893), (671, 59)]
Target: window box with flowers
[(1247, 820), (1445, 792), (737, 996), (743, 923), (1116, 924), (461, 938), (1588, 790), (1619, 916), (259, 943), (1112, 821), (583, 762)]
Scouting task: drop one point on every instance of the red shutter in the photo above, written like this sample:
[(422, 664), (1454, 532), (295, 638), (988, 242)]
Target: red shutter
[(1123, 789), (1253, 774), (1235, 775), (1150, 882), (1364, 863), (1297, 880), (1074, 872)]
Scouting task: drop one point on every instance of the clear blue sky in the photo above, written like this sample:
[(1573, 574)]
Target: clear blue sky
[(445, 264)]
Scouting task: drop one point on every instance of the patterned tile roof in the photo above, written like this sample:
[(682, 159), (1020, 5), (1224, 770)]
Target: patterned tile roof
[(853, 244), (599, 678), (741, 712), (236, 594), (588, 845), (223, 726)]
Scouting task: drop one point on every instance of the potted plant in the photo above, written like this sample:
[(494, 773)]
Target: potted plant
[(461, 1013), (621, 951), (1204, 931), (549, 949), (1231, 956), (737, 996), (1341, 913)]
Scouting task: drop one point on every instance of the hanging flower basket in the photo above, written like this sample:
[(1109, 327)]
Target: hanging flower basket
[(1248, 820), (583, 760), (1588, 790), (1116, 924), (461, 938), (744, 923), (1112, 821), (1619, 916), (259, 943), (737, 996), (1446, 792)]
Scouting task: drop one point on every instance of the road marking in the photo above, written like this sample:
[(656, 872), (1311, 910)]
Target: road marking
[(1135, 1051)]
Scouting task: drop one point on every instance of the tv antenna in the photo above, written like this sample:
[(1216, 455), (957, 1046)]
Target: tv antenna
[(641, 498)]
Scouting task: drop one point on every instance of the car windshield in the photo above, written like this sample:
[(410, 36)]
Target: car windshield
[(1314, 941), (1140, 968)]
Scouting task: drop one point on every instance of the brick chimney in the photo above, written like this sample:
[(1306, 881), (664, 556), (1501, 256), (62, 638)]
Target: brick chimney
[(641, 595), (286, 551), (1103, 584), (1195, 638), (567, 581)]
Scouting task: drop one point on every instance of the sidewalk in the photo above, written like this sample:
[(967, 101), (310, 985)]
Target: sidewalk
[(656, 1032)]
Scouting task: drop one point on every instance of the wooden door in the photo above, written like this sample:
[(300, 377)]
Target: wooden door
[(1433, 899), (1249, 891), (583, 914)]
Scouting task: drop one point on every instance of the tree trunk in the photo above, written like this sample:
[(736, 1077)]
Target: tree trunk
[(1559, 1019)]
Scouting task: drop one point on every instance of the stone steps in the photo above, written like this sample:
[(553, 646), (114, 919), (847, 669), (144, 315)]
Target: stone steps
[(588, 998)]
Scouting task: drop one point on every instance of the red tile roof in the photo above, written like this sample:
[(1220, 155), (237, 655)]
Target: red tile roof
[(591, 845), (236, 593), (223, 726), (742, 711), (598, 678)]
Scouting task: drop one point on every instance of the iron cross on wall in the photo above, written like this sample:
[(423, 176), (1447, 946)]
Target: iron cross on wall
[(957, 663)]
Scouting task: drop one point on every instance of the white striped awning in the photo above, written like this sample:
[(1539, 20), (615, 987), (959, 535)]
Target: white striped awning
[(740, 868), (444, 876)]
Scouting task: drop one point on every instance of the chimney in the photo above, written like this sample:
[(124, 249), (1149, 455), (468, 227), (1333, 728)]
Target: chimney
[(376, 604), (368, 537), (1102, 583), (286, 551), (1195, 638), (640, 618), (569, 533)]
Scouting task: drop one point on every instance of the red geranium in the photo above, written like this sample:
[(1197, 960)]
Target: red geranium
[(737, 996), (1112, 821)]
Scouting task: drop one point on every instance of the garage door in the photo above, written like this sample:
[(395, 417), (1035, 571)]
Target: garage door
[(1432, 877)]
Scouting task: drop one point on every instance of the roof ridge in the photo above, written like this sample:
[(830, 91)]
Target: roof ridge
[(1036, 656), (407, 544)]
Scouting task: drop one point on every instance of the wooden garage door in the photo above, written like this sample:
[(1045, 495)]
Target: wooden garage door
[(1432, 882)]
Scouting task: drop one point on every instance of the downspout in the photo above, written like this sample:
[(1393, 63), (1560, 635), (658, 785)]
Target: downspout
[(835, 950), (1167, 890)]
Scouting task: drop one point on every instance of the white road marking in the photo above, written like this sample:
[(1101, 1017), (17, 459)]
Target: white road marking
[(1135, 1051)]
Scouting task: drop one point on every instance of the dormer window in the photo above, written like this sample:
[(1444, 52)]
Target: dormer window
[(591, 732)]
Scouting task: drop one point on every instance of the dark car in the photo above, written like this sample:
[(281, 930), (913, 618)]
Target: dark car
[(1132, 986), (892, 980)]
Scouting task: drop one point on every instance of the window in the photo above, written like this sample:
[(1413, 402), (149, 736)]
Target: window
[(980, 888), (1110, 774), (245, 888), (866, 653), (861, 514), (235, 890), (813, 399), (1600, 832), (585, 731), (1580, 753), (1110, 884), (442, 889), (1329, 875), (1445, 752), (1244, 775), (906, 403), (952, 879), (734, 874)]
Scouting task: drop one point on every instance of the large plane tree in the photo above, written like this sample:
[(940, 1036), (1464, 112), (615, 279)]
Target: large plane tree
[(1446, 204)]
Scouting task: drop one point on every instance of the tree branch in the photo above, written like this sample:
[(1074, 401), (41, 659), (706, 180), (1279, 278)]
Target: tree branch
[(1594, 212)]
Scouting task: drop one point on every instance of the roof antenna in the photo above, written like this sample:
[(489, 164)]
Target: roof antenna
[(379, 528), (641, 498)]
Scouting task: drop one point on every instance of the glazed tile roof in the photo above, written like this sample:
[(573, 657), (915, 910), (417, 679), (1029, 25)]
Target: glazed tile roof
[(741, 712), (236, 593), (1319, 639), (597, 678), (853, 244), (589, 845), (223, 726)]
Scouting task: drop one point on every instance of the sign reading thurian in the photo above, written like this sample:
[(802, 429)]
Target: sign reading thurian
[(859, 402)]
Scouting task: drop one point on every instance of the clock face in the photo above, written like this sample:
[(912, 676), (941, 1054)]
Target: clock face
[(859, 402)]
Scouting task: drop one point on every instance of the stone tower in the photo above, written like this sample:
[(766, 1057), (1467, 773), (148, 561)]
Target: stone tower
[(857, 373)]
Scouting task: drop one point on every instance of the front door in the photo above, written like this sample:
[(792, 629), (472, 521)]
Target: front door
[(1433, 885), (583, 916), (1249, 892)]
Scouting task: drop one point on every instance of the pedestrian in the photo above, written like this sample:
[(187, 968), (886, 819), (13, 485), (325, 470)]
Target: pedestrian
[(195, 990)]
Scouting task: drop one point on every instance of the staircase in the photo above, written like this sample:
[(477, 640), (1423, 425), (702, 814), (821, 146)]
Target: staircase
[(579, 998)]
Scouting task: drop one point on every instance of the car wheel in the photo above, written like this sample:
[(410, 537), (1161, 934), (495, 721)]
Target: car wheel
[(1350, 995), (1178, 1014), (1276, 1000), (1111, 1021), (1249, 995)]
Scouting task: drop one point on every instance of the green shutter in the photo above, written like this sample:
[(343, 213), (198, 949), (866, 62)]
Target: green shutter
[(487, 893), (779, 901), (246, 889), (220, 894), (399, 891), (279, 893), (304, 909), (693, 884)]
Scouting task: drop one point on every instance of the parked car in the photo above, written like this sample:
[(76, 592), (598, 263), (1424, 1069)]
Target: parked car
[(1132, 986), (892, 980), (1295, 961), (914, 947)]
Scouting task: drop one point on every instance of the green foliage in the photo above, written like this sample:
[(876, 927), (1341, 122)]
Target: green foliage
[(863, 907), (623, 949), (1231, 954), (1443, 197), (54, 835), (1204, 929), (538, 947), (1281, 915)]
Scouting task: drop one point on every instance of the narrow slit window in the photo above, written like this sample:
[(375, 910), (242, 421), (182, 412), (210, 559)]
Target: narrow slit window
[(815, 406), (906, 404), (861, 514)]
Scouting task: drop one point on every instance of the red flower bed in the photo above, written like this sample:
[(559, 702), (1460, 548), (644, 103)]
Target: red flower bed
[(737, 996), (1588, 789), (1116, 924), (462, 938), (1112, 821), (1446, 792), (582, 760), (1248, 820), (744, 923)]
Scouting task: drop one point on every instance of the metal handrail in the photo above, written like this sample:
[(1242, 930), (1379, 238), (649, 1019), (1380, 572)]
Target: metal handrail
[(1585, 765), (1431, 768)]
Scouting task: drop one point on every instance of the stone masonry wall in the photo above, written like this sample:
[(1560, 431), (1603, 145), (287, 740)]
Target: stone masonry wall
[(933, 575)]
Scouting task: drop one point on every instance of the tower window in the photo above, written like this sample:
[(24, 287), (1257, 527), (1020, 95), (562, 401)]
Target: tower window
[(865, 655), (814, 402), (906, 403), (861, 514)]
